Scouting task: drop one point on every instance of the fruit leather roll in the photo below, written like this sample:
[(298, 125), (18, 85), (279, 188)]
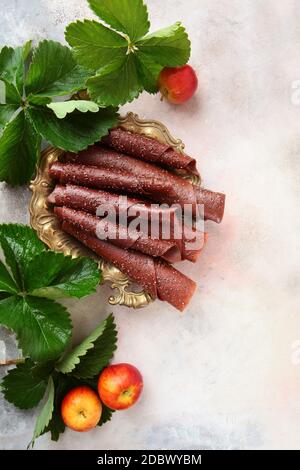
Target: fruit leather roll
[(145, 148), (213, 203), (103, 157), (105, 178), (186, 193), (157, 278), (89, 200), (191, 241), (120, 235)]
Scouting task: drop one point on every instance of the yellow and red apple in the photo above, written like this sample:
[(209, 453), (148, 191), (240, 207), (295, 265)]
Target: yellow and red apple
[(81, 409), (178, 84), (120, 386)]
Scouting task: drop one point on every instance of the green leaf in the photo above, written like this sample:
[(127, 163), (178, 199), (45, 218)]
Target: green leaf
[(19, 244), (2, 92), (12, 95), (43, 327), (22, 387), (168, 47), (53, 72), (36, 100), (106, 416), (27, 49), (125, 62), (6, 113), (53, 276), (46, 413), (128, 16), (19, 151), (77, 131), (4, 295), (55, 427), (127, 83), (94, 353), (149, 72), (66, 107), (12, 67), (95, 46), (7, 284)]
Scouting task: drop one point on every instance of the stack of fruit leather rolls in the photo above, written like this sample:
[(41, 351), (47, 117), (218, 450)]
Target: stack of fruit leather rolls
[(89, 200), (101, 168), (100, 175)]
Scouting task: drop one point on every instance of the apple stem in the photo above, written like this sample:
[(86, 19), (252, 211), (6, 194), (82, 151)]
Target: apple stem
[(12, 362)]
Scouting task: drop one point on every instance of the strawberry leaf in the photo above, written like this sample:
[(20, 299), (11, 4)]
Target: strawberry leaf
[(127, 82), (106, 416), (95, 45), (128, 16), (43, 327), (20, 244), (125, 61), (7, 284), (61, 109), (23, 387), (12, 68), (168, 47), (53, 72), (77, 131), (46, 414), (53, 276), (93, 354), (6, 113), (37, 276), (19, 150)]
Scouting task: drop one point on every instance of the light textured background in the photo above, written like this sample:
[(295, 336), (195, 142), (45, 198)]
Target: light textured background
[(221, 376)]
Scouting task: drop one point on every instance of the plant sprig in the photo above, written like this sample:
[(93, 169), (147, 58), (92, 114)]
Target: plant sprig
[(31, 281), (125, 59), (29, 383), (28, 115)]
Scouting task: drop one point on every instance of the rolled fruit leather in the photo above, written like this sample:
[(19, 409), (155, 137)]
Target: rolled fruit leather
[(158, 278), (189, 241), (149, 181), (120, 235), (148, 149)]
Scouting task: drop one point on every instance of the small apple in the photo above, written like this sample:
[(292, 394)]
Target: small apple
[(81, 409), (178, 84), (120, 386)]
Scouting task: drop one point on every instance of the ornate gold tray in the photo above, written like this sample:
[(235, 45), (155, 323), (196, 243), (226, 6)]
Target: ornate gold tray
[(48, 229)]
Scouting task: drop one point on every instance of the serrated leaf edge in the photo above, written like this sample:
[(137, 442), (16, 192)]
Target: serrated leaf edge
[(61, 366), (121, 32), (51, 394)]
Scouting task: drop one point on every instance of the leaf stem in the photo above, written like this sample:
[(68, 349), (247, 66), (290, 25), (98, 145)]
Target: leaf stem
[(12, 362)]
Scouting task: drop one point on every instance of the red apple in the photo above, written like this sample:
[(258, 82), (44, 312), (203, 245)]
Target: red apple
[(120, 386), (81, 409), (178, 84)]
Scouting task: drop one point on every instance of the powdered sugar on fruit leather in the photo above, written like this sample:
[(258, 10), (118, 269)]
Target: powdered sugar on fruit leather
[(145, 148)]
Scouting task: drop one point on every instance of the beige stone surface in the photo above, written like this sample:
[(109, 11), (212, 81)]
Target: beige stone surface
[(223, 375)]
